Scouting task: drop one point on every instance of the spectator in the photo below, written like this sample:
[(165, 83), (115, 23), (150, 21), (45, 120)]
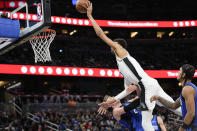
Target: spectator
[(45, 100)]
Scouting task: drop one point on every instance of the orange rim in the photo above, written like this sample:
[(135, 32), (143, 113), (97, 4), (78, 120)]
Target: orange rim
[(47, 30)]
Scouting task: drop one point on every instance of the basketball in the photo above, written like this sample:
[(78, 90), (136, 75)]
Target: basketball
[(79, 6)]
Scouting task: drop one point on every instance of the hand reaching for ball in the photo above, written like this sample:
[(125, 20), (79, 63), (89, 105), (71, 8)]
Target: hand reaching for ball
[(88, 6), (84, 6)]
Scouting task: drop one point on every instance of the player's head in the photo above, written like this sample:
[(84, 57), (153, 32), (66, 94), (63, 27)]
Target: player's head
[(186, 72), (121, 42), (115, 105)]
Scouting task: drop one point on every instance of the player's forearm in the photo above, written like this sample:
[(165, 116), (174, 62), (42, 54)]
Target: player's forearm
[(134, 99), (122, 95), (96, 27), (166, 103), (189, 118), (163, 128)]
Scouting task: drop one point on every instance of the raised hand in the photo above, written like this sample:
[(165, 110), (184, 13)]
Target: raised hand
[(154, 98), (131, 88), (108, 103), (88, 6), (102, 110)]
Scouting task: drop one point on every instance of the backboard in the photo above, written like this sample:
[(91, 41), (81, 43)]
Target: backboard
[(11, 34)]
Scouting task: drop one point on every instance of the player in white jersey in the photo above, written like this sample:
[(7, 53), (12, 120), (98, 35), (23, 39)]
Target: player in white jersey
[(132, 73)]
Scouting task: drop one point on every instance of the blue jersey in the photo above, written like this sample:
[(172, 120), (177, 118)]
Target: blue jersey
[(126, 119), (183, 104), (155, 123), (135, 117)]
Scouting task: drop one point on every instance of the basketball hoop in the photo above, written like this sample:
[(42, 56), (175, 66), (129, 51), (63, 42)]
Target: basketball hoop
[(41, 43)]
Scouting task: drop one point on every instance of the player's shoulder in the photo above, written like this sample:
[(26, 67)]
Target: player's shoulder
[(187, 90)]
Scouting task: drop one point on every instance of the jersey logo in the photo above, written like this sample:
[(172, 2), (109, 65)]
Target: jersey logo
[(135, 111)]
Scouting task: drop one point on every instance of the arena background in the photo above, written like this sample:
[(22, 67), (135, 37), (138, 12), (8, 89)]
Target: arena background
[(33, 101)]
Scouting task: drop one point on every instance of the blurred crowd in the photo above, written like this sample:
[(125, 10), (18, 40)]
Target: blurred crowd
[(76, 121), (66, 118)]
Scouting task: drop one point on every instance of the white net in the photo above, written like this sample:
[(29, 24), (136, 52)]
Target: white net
[(41, 43)]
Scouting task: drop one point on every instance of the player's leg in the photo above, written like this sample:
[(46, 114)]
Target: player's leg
[(146, 120)]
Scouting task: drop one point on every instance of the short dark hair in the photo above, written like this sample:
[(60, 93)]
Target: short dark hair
[(189, 71), (122, 42)]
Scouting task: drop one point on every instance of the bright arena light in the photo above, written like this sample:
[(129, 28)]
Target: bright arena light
[(15, 15), (80, 22), (32, 69), (109, 73), (52, 19), (86, 22), (41, 70), (68, 21), (116, 73), (22, 16), (49, 70), (82, 71), (181, 23), (75, 21), (21, 3), (193, 23), (12, 4), (59, 71), (34, 17), (57, 19), (74, 71), (90, 72), (187, 23), (102, 72), (24, 69), (63, 20), (175, 24), (66, 71)]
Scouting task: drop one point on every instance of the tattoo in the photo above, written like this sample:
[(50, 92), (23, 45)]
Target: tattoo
[(172, 105), (177, 103)]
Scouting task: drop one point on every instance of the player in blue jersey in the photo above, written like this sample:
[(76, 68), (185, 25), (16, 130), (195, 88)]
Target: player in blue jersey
[(133, 119), (187, 99)]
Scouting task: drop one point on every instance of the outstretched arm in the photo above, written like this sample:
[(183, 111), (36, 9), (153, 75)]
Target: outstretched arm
[(168, 104), (98, 30), (120, 96), (128, 90)]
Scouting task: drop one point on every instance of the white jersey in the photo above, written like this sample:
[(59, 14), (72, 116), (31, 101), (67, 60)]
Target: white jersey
[(126, 67), (133, 74)]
